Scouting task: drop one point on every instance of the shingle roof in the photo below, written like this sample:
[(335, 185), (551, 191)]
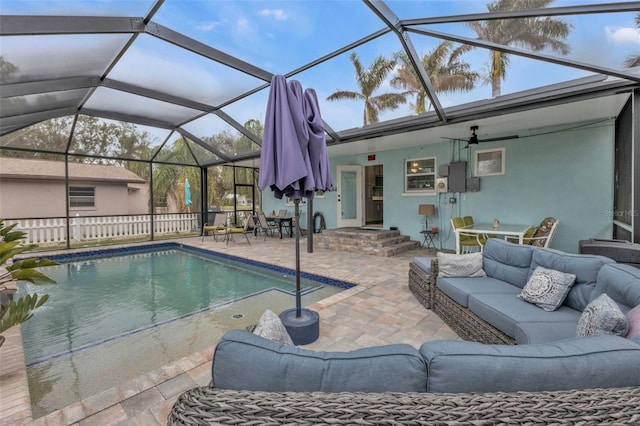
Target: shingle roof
[(22, 168)]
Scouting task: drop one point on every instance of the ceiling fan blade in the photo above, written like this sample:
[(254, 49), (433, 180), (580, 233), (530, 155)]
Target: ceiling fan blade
[(501, 138)]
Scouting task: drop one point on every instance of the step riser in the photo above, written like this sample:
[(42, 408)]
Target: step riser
[(383, 243)]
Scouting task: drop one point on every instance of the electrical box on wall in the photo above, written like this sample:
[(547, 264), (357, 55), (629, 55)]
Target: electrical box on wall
[(443, 171), (474, 184), (442, 185), (458, 176)]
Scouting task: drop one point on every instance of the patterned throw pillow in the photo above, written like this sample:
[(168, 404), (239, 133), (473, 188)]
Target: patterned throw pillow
[(270, 327), (460, 265), (602, 316), (547, 288)]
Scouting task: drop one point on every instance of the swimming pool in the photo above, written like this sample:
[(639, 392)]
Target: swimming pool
[(116, 314)]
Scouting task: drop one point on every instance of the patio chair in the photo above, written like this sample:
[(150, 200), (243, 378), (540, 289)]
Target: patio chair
[(470, 241), (265, 226), (219, 224), (542, 235), (248, 228), (482, 239), (284, 213)]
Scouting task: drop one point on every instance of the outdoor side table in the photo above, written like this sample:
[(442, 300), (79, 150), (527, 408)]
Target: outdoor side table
[(428, 238)]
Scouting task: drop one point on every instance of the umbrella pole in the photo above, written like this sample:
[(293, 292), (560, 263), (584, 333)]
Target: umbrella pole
[(298, 296)]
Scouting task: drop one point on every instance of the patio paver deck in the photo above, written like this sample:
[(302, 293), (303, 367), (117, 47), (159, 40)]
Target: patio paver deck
[(379, 310)]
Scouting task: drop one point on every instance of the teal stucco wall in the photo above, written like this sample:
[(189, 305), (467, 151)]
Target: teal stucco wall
[(567, 175)]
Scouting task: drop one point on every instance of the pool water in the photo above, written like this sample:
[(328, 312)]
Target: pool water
[(110, 319)]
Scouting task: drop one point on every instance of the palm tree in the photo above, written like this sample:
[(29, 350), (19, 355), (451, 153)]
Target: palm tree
[(444, 67), (633, 60), (369, 80), (532, 33)]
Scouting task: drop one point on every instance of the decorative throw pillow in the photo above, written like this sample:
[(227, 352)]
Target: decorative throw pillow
[(633, 319), (547, 288), (602, 316), (270, 327), (460, 265)]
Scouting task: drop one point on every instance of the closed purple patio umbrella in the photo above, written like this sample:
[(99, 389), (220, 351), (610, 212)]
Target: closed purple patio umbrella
[(294, 161)]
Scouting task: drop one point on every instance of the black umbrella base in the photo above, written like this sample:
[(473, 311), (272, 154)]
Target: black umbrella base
[(304, 329)]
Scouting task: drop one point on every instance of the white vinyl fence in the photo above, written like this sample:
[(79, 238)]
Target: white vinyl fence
[(54, 230)]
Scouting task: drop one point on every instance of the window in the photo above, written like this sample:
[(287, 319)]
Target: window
[(420, 174), (489, 162), (82, 196)]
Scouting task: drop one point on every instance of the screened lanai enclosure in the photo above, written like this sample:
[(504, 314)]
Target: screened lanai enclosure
[(138, 119)]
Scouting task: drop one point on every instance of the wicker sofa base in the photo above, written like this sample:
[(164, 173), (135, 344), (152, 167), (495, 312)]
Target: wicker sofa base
[(466, 324), (420, 285), (205, 406)]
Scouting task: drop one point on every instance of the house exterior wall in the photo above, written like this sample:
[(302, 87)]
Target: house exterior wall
[(31, 198), (22, 198), (138, 199), (566, 175)]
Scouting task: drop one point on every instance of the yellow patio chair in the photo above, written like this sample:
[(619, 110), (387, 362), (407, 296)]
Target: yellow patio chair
[(219, 225), (470, 241), (248, 228), (540, 236)]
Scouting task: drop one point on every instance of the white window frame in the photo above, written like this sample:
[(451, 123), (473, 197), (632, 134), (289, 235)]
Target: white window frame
[(76, 198), (408, 191), (478, 161)]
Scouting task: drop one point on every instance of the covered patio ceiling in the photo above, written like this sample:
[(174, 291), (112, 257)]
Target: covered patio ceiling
[(166, 69)]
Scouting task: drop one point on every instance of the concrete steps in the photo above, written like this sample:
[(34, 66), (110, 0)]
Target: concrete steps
[(375, 242)]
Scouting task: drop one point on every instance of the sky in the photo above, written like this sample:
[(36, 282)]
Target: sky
[(281, 36)]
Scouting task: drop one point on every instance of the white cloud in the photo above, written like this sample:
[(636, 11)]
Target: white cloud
[(208, 26), (243, 26), (623, 34), (277, 14)]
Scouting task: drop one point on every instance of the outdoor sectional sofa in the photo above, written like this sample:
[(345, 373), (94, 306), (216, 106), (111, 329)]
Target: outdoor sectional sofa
[(487, 309), (555, 378)]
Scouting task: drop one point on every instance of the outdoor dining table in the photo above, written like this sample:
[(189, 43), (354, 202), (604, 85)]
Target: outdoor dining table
[(280, 220), (505, 230)]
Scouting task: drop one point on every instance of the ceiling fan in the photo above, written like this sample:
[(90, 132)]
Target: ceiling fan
[(474, 140)]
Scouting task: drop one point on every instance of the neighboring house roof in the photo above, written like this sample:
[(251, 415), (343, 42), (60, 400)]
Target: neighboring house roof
[(22, 168)]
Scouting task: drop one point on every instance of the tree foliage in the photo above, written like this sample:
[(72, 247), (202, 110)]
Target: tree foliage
[(530, 33), (16, 311), (369, 80), (633, 60), (445, 68)]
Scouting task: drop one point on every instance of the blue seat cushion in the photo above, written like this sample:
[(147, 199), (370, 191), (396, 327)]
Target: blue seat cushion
[(459, 289), (507, 261), (585, 267), (536, 332), (578, 363), (244, 361), (505, 311), (621, 283), (423, 263)]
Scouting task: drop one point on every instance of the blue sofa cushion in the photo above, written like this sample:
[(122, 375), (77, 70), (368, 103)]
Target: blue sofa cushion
[(536, 332), (579, 363), (423, 263), (507, 261), (505, 311), (621, 283), (244, 361), (585, 267), (459, 289)]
